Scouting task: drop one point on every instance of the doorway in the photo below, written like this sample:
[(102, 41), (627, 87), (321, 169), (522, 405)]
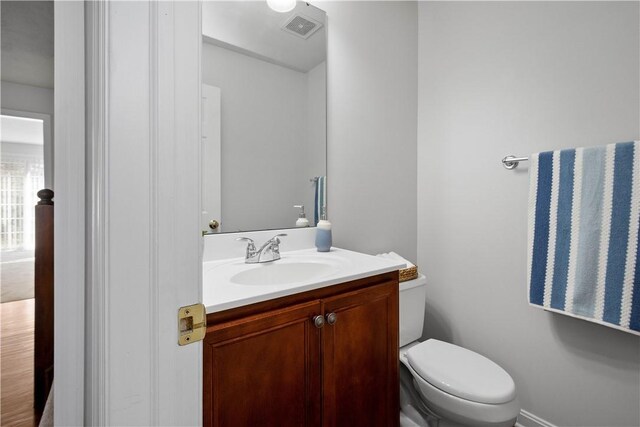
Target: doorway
[(22, 175), (22, 168), (26, 153)]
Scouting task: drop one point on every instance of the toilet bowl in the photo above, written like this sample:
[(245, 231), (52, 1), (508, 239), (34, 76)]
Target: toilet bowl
[(460, 387), (445, 385)]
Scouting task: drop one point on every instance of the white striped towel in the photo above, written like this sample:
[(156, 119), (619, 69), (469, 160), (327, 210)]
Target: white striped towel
[(584, 219), (320, 198)]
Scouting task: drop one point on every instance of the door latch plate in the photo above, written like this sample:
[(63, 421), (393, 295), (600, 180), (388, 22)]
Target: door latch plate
[(192, 323)]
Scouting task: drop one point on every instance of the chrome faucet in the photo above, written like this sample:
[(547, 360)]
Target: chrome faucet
[(268, 252)]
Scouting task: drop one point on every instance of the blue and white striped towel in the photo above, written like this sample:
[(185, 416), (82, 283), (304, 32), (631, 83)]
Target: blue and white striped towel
[(584, 215), (320, 198)]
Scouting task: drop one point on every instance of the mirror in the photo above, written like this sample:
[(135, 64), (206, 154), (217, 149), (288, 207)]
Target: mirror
[(264, 115)]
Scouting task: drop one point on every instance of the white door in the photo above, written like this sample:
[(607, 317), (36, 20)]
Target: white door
[(211, 189), (143, 213)]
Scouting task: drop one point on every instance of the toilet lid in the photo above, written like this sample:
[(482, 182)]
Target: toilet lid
[(461, 372)]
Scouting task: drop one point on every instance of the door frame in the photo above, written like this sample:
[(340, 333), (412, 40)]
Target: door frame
[(211, 161), (69, 213), (116, 335)]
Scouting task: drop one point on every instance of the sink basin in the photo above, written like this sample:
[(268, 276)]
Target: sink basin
[(229, 283), (282, 274), (291, 269)]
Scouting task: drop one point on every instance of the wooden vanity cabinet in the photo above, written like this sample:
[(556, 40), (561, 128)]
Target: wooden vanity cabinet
[(268, 364), (261, 370), (360, 358)]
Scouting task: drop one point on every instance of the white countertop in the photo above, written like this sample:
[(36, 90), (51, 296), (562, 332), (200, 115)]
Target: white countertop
[(222, 292)]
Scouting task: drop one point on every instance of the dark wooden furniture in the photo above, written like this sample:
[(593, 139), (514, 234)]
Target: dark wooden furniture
[(269, 364), (43, 278)]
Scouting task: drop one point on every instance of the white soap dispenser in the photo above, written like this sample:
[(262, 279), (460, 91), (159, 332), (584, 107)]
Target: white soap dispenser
[(323, 233), (302, 218)]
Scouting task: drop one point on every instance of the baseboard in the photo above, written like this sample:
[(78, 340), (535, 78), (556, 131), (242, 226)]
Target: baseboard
[(527, 419)]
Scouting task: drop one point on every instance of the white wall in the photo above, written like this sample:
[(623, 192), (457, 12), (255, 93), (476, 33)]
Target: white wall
[(27, 98), (21, 151), (372, 102), (264, 131), (27, 34), (514, 78)]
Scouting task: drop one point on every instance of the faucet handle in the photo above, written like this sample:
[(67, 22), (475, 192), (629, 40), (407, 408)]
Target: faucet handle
[(275, 238), (250, 245)]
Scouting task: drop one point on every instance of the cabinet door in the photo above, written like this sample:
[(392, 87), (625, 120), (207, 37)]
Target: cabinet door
[(264, 370), (360, 358)]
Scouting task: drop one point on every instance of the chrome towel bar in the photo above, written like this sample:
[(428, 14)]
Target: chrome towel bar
[(512, 162)]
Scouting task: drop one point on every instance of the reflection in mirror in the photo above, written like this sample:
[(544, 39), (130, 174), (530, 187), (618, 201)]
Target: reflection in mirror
[(264, 115)]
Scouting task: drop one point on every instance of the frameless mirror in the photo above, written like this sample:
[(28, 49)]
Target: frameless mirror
[(264, 115)]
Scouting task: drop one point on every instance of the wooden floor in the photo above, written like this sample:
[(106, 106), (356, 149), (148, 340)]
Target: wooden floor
[(16, 363)]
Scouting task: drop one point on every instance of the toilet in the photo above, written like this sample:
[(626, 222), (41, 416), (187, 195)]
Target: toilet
[(445, 385)]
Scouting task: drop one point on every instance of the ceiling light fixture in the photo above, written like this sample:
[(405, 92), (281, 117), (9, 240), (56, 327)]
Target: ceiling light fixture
[(282, 5)]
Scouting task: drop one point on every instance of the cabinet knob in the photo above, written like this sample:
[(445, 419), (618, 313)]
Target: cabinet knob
[(332, 318), (318, 321)]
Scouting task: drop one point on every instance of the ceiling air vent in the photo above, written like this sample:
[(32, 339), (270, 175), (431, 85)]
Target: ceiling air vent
[(301, 26)]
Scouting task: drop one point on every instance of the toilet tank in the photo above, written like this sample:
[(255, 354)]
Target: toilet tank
[(413, 294)]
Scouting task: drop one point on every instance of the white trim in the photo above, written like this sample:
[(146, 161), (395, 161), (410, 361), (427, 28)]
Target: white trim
[(144, 229), (96, 381), (179, 84), (69, 246), (527, 419), (154, 194)]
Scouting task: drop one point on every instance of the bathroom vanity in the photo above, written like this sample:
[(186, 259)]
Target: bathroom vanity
[(323, 353)]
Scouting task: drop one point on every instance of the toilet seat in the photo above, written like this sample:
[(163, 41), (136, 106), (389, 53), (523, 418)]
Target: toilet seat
[(461, 372), (450, 405)]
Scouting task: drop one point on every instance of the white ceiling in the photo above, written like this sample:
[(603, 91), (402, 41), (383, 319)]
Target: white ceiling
[(247, 26), (27, 42), (251, 27)]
